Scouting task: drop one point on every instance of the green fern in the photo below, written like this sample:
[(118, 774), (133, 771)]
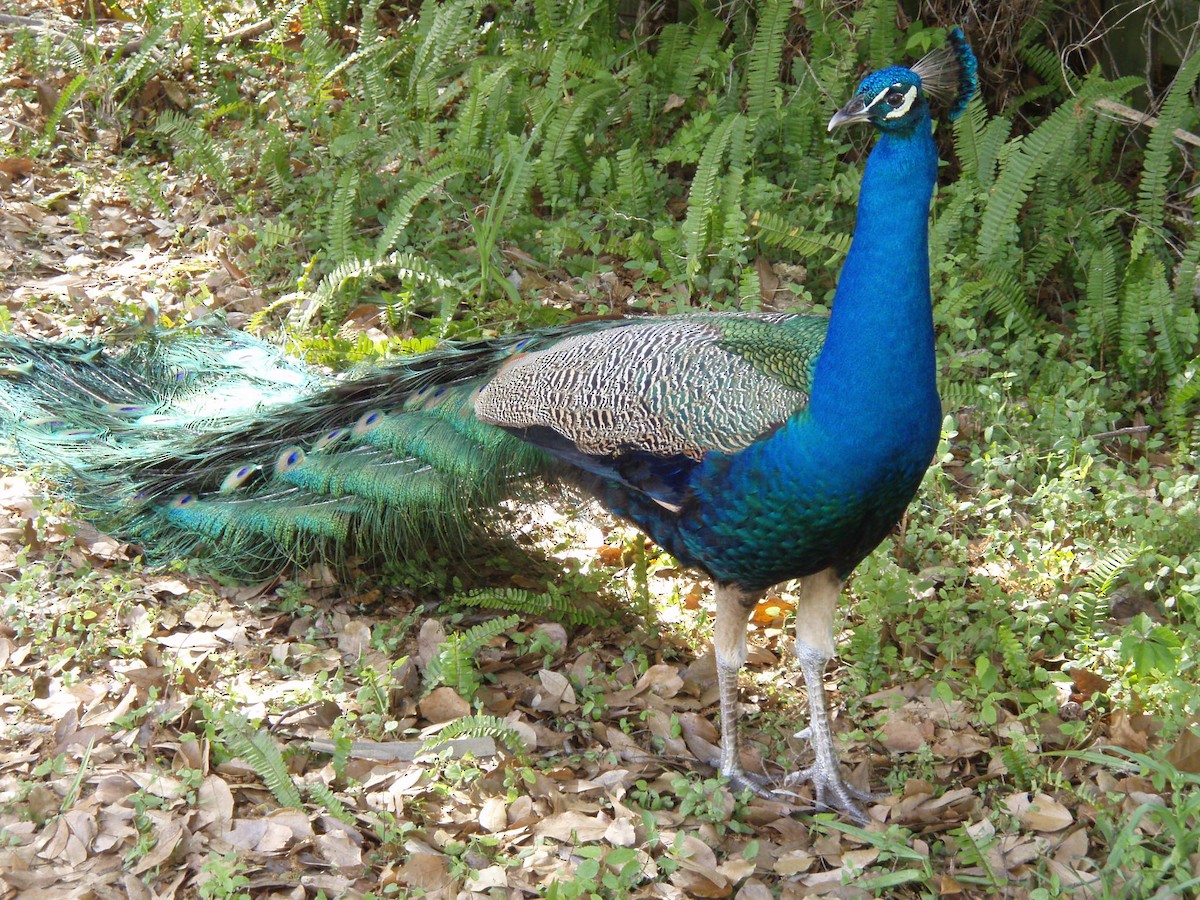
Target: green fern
[(1006, 297), (556, 607), (766, 54), (1160, 148), (135, 71), (1090, 604), (1012, 651), (1183, 403), (259, 750), (1023, 772), (402, 210), (704, 196), (341, 213), (773, 230), (1100, 311), (454, 664), (478, 726), (442, 30), (694, 52), (325, 797), (328, 297), (633, 181), (195, 146), (877, 20), (1048, 66), (1020, 164), (480, 116), (65, 101)]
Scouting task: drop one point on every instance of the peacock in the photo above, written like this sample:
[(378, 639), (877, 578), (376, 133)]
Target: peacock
[(757, 448)]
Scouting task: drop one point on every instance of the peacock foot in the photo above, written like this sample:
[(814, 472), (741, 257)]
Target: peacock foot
[(741, 780), (831, 792)]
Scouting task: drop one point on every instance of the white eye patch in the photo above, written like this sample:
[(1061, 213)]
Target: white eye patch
[(910, 97)]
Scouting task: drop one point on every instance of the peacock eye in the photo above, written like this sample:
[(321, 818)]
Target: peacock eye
[(894, 99)]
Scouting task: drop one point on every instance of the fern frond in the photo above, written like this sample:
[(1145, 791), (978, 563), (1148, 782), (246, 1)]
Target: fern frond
[(321, 793), (65, 101), (1183, 404), (478, 726), (1019, 169), (555, 607), (1049, 67), (194, 144), (135, 71), (345, 199), (1100, 312), (454, 664), (1160, 300), (478, 116), (877, 19), (766, 54), (442, 28), (705, 192), (1090, 604), (259, 750), (699, 55), (402, 210), (774, 230), (1160, 148), (1005, 296)]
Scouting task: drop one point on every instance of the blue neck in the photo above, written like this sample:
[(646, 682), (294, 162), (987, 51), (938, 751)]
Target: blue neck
[(877, 366)]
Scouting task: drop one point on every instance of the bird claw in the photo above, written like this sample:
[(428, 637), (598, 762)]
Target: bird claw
[(833, 793), (741, 780)]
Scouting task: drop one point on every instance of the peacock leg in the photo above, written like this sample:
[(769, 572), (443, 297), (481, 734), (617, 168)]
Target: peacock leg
[(814, 648), (729, 642)]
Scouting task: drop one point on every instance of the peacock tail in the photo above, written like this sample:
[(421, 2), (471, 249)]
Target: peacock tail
[(208, 443)]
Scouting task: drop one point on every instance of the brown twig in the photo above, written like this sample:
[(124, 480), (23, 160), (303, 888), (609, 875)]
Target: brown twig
[(1136, 117), (1122, 432)]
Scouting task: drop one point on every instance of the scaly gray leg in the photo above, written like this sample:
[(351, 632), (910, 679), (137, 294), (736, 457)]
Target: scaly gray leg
[(814, 648), (729, 642)]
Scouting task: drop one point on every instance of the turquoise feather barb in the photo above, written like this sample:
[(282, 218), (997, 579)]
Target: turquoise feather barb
[(758, 448)]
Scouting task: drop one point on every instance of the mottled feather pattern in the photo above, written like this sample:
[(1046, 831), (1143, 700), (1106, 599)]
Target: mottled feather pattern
[(683, 386)]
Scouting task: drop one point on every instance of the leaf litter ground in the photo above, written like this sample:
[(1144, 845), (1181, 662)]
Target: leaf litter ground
[(116, 782)]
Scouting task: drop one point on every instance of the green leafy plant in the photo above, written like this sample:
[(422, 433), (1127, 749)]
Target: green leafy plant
[(454, 664), (259, 750)]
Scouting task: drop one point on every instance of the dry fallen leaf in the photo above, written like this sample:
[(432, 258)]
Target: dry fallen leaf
[(493, 815), (1039, 812), (1185, 752), (443, 705)]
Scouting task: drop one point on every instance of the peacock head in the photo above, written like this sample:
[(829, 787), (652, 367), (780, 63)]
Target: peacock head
[(895, 99)]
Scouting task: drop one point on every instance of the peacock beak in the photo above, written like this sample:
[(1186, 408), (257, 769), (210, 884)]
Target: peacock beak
[(854, 111)]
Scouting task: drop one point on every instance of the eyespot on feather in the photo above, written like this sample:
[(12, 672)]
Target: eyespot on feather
[(331, 437), (237, 478), (288, 460), (436, 397), (367, 421), (50, 423), (126, 409), (183, 501)]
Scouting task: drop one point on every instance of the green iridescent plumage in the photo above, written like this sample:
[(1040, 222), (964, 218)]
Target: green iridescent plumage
[(206, 442)]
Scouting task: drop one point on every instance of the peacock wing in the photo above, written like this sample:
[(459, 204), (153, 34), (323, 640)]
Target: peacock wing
[(644, 403)]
